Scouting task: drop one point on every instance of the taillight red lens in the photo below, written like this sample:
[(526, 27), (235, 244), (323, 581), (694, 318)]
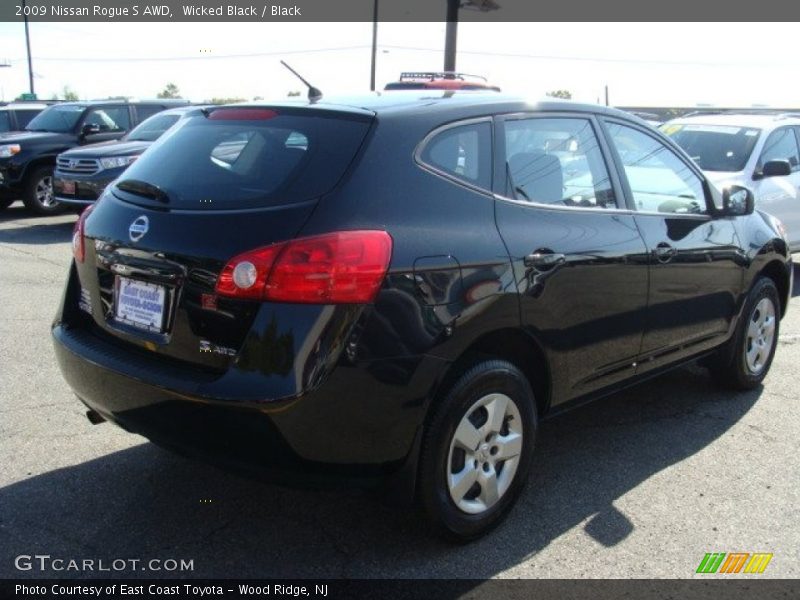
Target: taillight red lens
[(346, 267), (79, 235)]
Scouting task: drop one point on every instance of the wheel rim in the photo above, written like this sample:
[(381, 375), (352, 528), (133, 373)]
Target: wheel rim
[(484, 453), (44, 192), (760, 336)]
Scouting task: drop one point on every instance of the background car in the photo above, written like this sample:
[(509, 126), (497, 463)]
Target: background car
[(758, 151), (440, 80), (15, 116), (83, 173), (27, 158)]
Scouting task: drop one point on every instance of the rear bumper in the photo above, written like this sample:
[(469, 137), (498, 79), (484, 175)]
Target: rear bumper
[(359, 424)]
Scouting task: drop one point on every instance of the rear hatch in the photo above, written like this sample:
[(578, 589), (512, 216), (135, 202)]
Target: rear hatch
[(217, 185)]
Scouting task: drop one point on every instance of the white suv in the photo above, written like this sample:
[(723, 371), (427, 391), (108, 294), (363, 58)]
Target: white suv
[(758, 151)]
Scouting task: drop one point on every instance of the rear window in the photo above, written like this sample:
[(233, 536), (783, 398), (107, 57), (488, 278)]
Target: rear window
[(230, 163)]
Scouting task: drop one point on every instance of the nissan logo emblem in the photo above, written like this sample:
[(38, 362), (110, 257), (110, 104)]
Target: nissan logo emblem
[(138, 228)]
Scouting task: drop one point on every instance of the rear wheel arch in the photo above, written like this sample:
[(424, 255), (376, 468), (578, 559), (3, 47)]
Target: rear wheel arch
[(510, 344)]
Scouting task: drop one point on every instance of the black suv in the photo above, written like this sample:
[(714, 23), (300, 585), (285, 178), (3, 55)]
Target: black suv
[(27, 157), (398, 287)]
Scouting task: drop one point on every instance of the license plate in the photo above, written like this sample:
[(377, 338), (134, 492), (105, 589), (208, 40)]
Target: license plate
[(140, 304), (68, 187)]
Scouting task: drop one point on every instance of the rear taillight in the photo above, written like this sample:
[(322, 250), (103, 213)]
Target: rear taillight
[(78, 235), (346, 267)]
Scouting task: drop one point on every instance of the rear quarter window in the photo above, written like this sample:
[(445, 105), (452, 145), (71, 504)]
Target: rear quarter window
[(462, 152)]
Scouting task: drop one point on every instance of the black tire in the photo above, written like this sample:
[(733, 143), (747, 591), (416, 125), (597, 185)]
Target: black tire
[(5, 203), (33, 197), (437, 462), (730, 367)]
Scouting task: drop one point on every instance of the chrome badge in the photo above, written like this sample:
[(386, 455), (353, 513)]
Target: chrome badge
[(138, 228)]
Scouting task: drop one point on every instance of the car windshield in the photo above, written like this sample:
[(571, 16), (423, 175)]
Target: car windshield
[(715, 147), (151, 129), (60, 118), (264, 158)]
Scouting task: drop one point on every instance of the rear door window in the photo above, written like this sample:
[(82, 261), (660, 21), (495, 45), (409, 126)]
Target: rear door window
[(215, 162)]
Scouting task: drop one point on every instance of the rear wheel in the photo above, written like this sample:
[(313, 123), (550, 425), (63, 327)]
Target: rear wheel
[(39, 192), (744, 362), (477, 450)]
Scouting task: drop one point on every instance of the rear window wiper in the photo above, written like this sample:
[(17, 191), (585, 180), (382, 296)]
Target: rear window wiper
[(142, 188)]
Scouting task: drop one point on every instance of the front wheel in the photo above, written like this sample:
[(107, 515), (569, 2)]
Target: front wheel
[(477, 450), (744, 362), (39, 196)]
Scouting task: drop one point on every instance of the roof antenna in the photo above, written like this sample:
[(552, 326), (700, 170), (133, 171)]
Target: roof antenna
[(314, 94)]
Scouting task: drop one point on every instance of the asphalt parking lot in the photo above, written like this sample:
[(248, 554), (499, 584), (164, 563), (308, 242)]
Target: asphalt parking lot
[(641, 484)]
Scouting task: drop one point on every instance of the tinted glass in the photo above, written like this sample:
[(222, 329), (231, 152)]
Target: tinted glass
[(556, 161), (152, 128), (60, 118), (109, 118), (145, 111), (24, 117), (5, 121), (780, 145), (464, 152), (209, 164), (659, 180)]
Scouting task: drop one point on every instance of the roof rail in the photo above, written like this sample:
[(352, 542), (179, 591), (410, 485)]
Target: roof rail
[(431, 75), (778, 114)]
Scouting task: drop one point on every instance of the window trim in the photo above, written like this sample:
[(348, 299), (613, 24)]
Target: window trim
[(711, 209), (793, 129), (500, 159), (420, 148)]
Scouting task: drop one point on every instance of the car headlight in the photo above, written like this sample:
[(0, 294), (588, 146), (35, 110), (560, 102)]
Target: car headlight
[(115, 162), (9, 150)]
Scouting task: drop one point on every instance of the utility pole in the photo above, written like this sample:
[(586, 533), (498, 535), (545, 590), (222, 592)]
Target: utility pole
[(374, 45), (607, 95), (451, 35), (28, 45)]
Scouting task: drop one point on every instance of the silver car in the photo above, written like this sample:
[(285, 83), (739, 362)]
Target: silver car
[(758, 151)]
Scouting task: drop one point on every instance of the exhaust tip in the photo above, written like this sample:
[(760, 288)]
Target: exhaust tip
[(94, 417)]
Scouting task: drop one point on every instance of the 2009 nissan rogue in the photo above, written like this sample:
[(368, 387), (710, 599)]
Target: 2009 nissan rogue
[(397, 287)]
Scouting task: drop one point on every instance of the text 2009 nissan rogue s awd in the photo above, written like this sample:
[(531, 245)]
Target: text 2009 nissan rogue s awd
[(397, 287)]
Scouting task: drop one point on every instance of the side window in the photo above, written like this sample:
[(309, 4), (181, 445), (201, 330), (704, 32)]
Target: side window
[(659, 180), (463, 152), (24, 117), (556, 161), (781, 145), (144, 111), (109, 118)]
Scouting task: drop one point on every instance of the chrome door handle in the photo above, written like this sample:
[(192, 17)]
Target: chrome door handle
[(664, 252), (546, 260)]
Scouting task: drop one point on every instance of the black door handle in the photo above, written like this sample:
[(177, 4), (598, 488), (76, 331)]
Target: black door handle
[(664, 252), (544, 260)]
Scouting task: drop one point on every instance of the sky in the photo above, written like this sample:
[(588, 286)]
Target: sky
[(643, 64)]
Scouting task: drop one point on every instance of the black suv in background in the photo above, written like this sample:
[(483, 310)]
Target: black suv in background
[(27, 157), (83, 173), (396, 287), (15, 116)]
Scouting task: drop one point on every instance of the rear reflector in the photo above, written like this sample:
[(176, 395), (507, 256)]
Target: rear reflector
[(242, 114), (346, 267), (78, 235)]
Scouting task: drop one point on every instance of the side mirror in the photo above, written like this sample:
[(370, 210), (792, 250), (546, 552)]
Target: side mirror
[(737, 201), (775, 168), (89, 129)]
